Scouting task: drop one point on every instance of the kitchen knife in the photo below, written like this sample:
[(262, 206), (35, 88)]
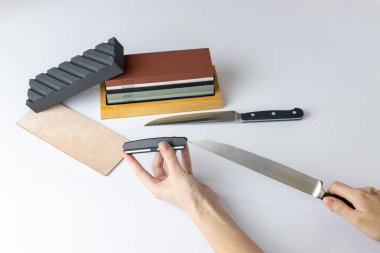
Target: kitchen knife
[(224, 116), (151, 144), (252, 161), (269, 168)]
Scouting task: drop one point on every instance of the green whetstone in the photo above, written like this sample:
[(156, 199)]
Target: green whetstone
[(80, 73)]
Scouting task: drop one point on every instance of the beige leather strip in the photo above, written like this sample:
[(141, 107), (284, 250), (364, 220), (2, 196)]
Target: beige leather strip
[(83, 139)]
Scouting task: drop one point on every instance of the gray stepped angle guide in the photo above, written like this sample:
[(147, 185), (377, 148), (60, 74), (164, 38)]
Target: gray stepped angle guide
[(80, 73)]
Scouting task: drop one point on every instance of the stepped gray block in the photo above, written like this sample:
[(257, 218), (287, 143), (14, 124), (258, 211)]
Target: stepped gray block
[(80, 73)]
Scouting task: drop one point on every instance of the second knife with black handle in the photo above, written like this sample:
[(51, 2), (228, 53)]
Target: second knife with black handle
[(225, 116)]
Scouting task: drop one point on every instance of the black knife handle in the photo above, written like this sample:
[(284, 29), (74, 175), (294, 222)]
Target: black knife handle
[(348, 203), (274, 115), (151, 144)]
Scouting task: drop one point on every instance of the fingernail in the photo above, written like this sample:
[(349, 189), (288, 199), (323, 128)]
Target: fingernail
[(164, 146), (329, 201)]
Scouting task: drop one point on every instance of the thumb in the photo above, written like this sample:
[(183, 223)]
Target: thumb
[(169, 155), (340, 208)]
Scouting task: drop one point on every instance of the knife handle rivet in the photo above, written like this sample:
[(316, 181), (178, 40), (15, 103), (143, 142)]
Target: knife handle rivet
[(252, 114), (294, 112), (273, 113)]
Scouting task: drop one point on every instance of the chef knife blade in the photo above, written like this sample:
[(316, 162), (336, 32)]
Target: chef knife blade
[(224, 116), (269, 168)]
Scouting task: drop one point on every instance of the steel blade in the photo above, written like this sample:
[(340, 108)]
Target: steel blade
[(197, 118), (264, 166)]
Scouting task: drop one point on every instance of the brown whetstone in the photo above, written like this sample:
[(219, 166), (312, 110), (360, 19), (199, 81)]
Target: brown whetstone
[(159, 107), (163, 67)]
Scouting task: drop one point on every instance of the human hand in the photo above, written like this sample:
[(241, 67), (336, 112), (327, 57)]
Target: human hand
[(172, 182), (366, 215), (177, 185)]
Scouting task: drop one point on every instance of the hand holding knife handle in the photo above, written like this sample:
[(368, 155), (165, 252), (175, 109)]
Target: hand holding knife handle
[(348, 203), (273, 115)]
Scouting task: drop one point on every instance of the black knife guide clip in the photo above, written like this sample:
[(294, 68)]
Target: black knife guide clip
[(151, 144)]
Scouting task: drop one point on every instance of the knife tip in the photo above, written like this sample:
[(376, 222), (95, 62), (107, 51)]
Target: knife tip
[(151, 123)]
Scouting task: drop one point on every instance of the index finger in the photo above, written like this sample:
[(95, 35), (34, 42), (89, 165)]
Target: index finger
[(344, 191), (186, 160)]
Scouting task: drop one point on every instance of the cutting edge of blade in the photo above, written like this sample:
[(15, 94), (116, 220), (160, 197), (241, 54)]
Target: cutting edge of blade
[(218, 116), (311, 186)]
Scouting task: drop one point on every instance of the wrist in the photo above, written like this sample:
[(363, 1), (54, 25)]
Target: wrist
[(197, 206), (201, 207)]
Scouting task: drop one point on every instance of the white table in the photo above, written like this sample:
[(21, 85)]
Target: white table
[(322, 56)]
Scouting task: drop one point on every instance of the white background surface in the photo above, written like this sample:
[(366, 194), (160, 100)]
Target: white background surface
[(322, 56)]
